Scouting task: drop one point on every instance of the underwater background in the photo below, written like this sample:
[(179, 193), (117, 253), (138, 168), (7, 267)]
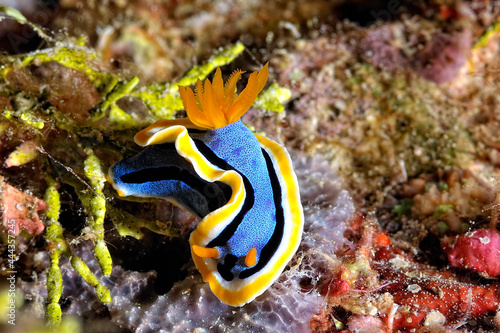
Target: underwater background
[(389, 109)]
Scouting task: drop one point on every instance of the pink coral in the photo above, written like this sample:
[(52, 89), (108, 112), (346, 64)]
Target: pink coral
[(366, 324), (19, 211), (443, 57), (478, 250), (438, 58)]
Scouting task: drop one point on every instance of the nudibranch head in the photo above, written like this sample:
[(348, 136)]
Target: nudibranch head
[(215, 105)]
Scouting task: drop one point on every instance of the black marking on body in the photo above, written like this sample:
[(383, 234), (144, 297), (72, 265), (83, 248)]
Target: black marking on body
[(231, 228), (270, 248), (217, 194), (196, 131), (225, 268)]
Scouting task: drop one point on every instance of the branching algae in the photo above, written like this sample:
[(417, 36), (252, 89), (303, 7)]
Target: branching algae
[(31, 117)]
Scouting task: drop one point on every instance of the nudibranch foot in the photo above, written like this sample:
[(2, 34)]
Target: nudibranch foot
[(240, 184)]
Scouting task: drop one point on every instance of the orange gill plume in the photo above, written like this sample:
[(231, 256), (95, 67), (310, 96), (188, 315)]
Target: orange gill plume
[(215, 105)]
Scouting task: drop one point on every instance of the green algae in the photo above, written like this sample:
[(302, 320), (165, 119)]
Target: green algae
[(6, 297), (163, 99), (101, 291), (273, 98), (33, 112), (77, 58), (57, 246), (492, 30), (128, 225), (96, 204), (26, 117), (121, 89), (403, 208), (24, 153), (441, 209)]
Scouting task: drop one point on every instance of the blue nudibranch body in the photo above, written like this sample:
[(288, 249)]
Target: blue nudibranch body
[(241, 185)]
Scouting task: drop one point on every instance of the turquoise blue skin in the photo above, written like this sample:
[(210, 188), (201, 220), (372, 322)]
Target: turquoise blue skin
[(233, 146)]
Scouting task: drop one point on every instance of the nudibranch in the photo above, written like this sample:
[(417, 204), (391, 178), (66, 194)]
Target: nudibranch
[(241, 185)]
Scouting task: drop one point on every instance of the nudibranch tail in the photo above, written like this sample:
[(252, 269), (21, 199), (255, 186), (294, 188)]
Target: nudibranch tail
[(242, 187), (213, 105)]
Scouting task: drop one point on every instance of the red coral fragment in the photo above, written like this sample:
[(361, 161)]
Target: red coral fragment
[(336, 285), (383, 240), (408, 295), (419, 297), (478, 250), (448, 12), (19, 211), (455, 301)]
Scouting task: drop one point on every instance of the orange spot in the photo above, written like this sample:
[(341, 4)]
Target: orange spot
[(251, 257), (383, 240), (205, 252)]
